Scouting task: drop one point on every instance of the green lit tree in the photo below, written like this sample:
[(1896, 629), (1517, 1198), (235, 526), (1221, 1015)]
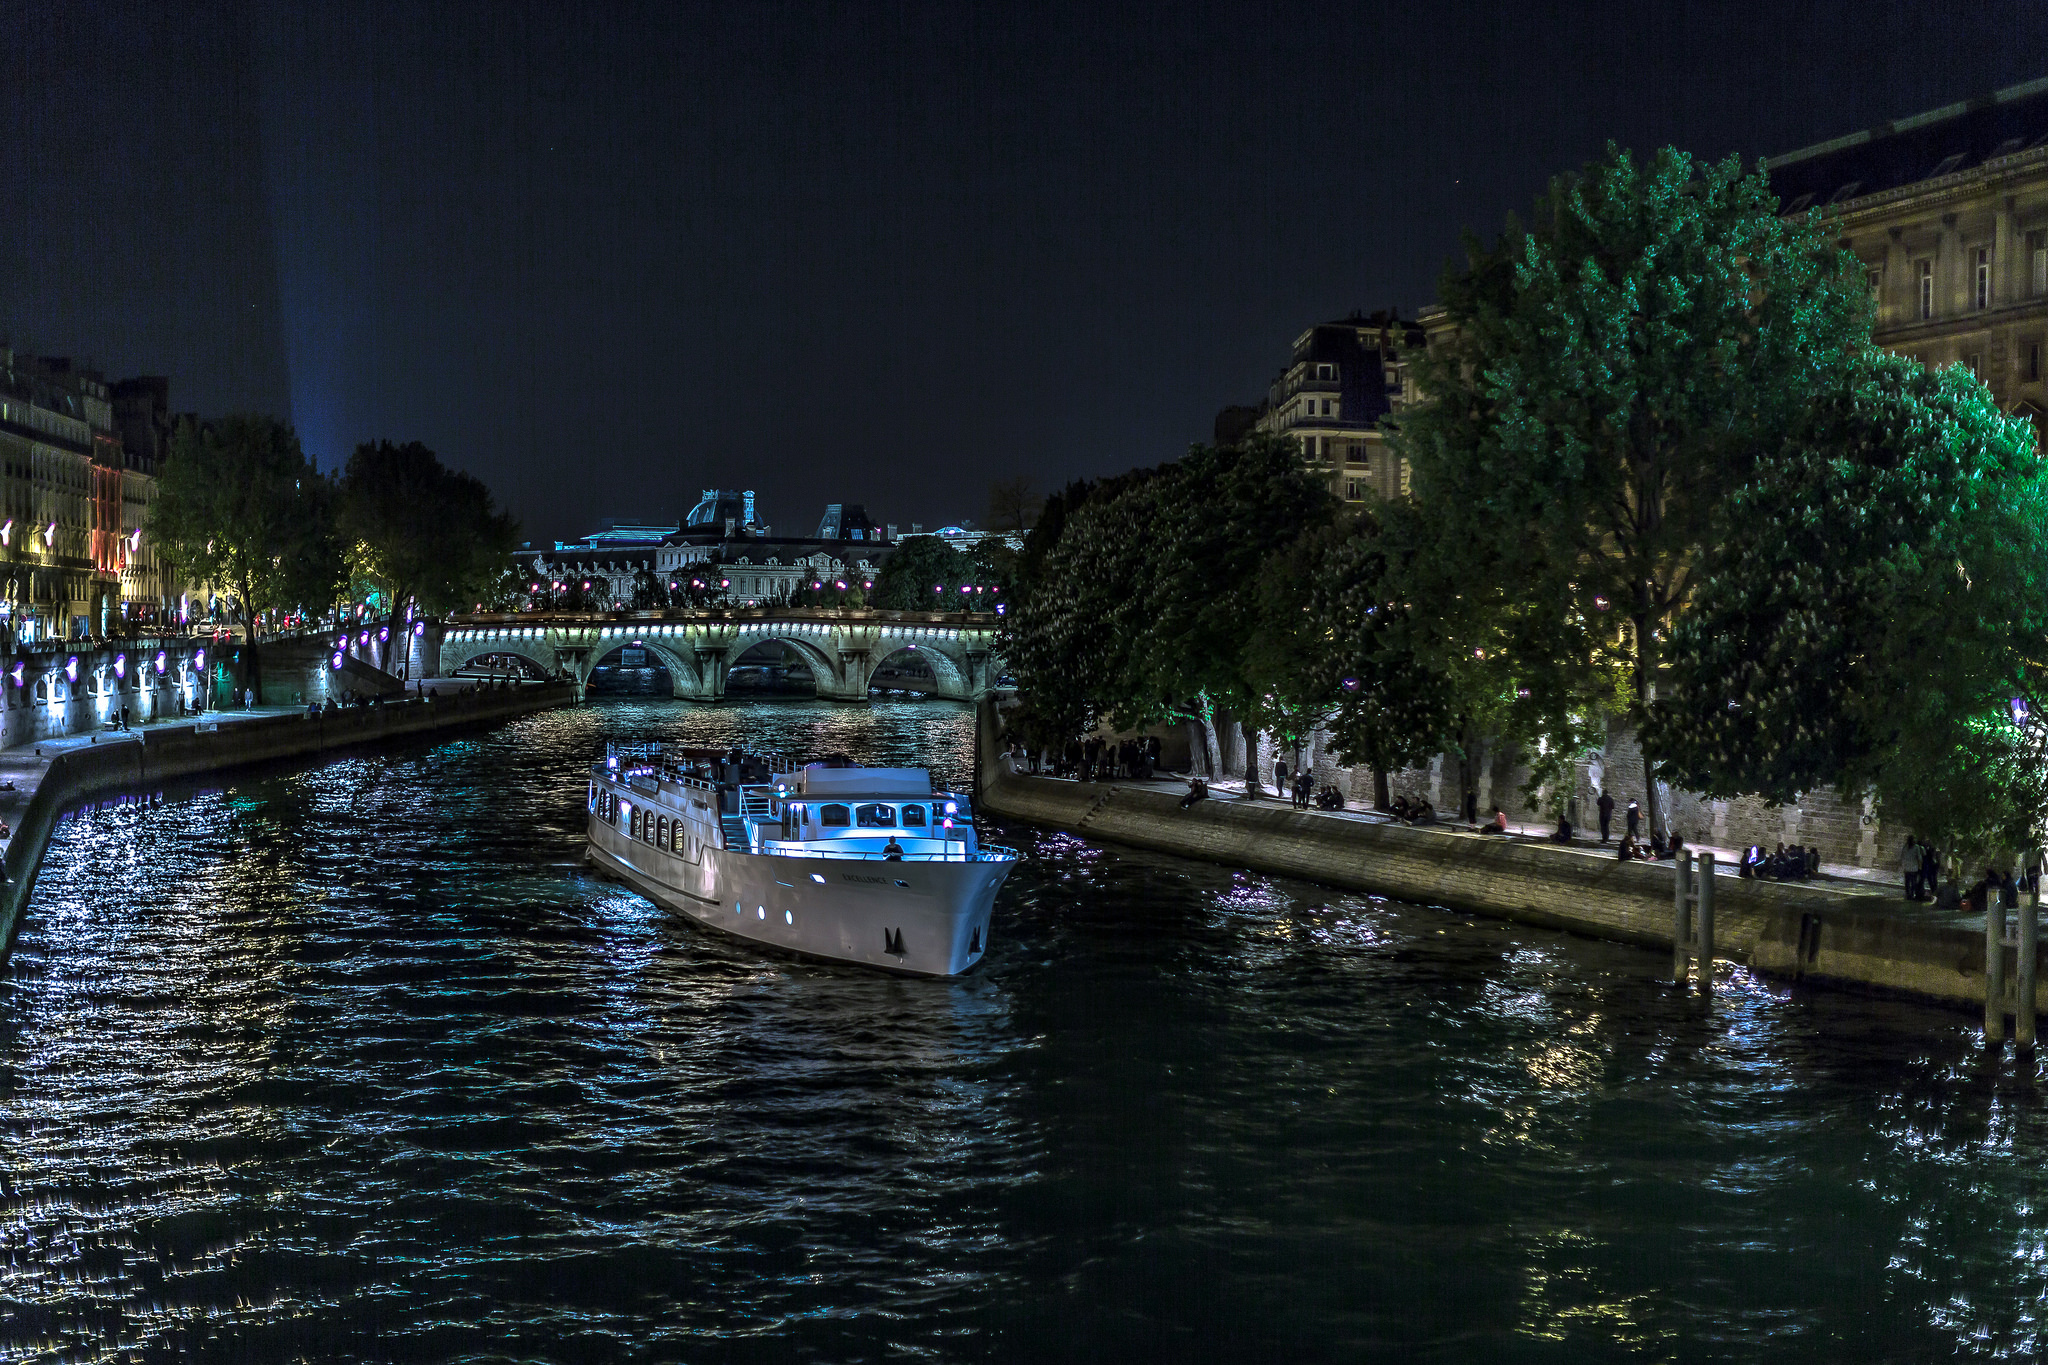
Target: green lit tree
[(1608, 377), (1875, 604)]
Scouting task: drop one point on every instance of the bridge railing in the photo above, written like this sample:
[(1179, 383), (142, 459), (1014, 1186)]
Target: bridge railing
[(721, 615)]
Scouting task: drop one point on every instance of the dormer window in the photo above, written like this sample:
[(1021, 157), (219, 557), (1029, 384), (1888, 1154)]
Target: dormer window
[(1847, 191), (1953, 161), (1800, 204), (1326, 371)]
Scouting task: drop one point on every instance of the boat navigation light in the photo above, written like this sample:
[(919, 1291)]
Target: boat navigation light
[(613, 763), (818, 877), (952, 807)]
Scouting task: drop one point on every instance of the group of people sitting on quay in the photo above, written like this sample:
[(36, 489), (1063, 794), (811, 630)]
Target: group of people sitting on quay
[(1923, 872), (1794, 864), (1417, 812)]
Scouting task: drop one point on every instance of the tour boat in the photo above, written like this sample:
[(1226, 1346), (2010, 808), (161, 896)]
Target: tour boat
[(850, 864)]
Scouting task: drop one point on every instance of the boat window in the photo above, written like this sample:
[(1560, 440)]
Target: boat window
[(635, 828), (661, 832), (875, 817), (836, 816), (913, 817)]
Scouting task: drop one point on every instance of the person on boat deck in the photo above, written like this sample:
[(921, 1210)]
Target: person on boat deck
[(892, 851)]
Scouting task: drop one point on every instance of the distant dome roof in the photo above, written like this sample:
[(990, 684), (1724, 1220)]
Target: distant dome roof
[(719, 504)]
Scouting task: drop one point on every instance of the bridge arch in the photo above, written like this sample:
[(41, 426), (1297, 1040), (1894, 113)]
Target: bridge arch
[(684, 678), (951, 676), (824, 664), (458, 648)]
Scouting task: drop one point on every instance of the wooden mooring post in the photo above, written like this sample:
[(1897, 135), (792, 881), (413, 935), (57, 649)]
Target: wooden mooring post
[(1692, 919), (2013, 993)]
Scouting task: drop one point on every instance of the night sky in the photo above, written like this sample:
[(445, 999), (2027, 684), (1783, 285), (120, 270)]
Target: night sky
[(605, 256)]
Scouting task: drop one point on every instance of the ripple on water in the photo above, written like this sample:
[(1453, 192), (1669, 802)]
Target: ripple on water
[(358, 1062)]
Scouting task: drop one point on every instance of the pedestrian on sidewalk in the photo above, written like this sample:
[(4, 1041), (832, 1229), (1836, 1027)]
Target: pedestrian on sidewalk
[(1606, 805), (1279, 775), (1909, 868), (1634, 814)]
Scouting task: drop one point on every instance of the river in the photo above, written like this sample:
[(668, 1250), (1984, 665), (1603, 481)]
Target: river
[(358, 1062)]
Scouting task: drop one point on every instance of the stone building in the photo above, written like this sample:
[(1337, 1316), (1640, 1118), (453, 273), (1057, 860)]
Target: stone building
[(74, 496), (1948, 211), (1344, 376)]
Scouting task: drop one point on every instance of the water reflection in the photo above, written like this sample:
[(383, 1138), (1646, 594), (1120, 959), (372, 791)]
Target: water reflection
[(358, 1062)]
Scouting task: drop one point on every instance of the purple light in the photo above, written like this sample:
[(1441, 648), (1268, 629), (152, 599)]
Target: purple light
[(161, 663), (335, 662), (120, 665), (71, 668)]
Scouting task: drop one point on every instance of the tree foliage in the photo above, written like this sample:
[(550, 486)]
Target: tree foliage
[(240, 507), (1609, 377), (423, 534), (1874, 601), (921, 573)]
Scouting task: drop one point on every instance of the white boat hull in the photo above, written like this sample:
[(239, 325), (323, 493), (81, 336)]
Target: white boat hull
[(922, 918)]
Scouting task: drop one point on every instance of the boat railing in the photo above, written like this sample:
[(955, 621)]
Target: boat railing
[(987, 853)]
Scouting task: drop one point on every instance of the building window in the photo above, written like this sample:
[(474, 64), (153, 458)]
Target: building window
[(1972, 363), (1326, 407), (1983, 277), (1926, 273), (1875, 280), (2030, 361), (2037, 263)]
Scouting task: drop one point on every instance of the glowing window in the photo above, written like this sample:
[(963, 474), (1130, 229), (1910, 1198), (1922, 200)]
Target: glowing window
[(835, 817), (875, 817), (913, 817), (661, 831)]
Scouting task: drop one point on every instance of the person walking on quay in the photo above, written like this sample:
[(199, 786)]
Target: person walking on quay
[(2030, 869), (1909, 868), (1606, 806), (1279, 774), (1634, 813)]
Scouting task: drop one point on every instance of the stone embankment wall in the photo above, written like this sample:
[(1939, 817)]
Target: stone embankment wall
[(143, 762), (1847, 937)]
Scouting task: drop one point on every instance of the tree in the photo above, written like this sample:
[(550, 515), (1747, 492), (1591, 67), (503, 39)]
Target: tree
[(1141, 609), (917, 566), (423, 534), (239, 506), (1608, 378), (1874, 605), (1012, 506), (1354, 646)]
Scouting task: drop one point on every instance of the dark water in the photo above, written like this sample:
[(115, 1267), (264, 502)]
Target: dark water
[(357, 1063)]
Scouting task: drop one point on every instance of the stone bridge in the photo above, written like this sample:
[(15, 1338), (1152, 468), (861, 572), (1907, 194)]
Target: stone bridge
[(843, 647)]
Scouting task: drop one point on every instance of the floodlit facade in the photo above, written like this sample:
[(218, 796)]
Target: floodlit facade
[(77, 471), (1948, 211), (1343, 378)]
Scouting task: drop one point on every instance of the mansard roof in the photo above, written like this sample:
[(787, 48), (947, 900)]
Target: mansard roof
[(1925, 147)]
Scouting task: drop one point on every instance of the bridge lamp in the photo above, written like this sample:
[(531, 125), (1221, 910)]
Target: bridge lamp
[(364, 639), (199, 658), (161, 663), (71, 668), (1350, 684), (938, 587), (120, 665), (335, 662), (999, 609), (840, 586), (725, 582), (419, 627), (16, 673), (383, 635), (7, 532)]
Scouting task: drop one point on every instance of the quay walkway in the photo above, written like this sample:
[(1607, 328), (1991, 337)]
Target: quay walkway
[(1848, 927)]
